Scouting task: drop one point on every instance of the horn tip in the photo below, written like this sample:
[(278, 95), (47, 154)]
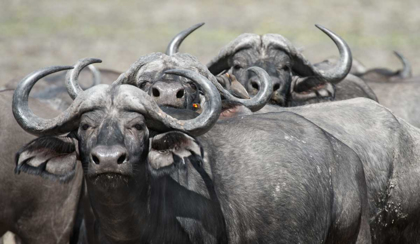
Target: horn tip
[(321, 27), (96, 60), (196, 26), (397, 53)]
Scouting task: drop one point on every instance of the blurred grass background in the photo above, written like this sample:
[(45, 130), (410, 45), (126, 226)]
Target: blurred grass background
[(35, 34)]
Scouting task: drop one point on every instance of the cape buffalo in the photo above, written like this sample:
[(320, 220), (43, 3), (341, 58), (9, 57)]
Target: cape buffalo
[(375, 74), (387, 75), (386, 145), (295, 80), (179, 92), (38, 210), (264, 178), (396, 90)]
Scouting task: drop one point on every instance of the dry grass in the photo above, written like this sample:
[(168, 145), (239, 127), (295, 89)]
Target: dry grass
[(41, 33)]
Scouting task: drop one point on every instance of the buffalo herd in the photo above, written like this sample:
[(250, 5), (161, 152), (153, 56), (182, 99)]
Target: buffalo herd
[(258, 146)]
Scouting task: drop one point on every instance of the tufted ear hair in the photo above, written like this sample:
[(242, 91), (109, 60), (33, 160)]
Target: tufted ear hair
[(51, 157), (310, 90), (169, 151)]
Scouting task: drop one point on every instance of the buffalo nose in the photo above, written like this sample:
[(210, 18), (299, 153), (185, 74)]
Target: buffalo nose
[(108, 155), (276, 84), (253, 86), (168, 93), (278, 96)]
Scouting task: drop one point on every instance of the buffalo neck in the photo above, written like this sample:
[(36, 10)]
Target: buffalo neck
[(120, 208), (138, 210)]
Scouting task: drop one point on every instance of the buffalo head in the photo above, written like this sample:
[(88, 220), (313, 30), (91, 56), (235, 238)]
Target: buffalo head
[(109, 126), (179, 92), (294, 78)]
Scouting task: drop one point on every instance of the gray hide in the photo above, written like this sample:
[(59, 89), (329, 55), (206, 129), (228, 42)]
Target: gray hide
[(38, 210), (294, 185), (389, 149), (401, 97), (398, 94)]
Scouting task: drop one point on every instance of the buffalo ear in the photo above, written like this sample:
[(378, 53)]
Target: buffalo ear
[(310, 90), (169, 151), (52, 157)]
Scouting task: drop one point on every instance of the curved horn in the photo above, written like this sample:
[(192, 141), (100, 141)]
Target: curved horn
[(24, 115), (179, 38), (211, 111), (260, 99), (406, 72), (336, 73), (96, 76), (72, 84)]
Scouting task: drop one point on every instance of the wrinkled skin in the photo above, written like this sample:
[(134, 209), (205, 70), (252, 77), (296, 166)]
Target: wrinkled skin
[(138, 195), (264, 51), (38, 210), (52, 90)]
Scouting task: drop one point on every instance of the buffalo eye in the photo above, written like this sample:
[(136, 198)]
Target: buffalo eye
[(138, 126), (237, 67), (85, 126), (191, 85), (142, 84)]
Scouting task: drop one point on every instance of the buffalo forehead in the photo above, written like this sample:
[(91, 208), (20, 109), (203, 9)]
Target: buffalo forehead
[(178, 61)]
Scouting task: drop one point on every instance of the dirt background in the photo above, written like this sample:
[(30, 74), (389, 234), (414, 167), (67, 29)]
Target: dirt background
[(36, 34)]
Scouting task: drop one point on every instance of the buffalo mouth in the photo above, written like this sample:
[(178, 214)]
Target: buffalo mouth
[(277, 101), (110, 178)]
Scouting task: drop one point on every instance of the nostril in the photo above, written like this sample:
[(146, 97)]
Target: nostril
[(121, 159), (95, 159), (276, 87), (255, 85), (155, 92), (180, 93)]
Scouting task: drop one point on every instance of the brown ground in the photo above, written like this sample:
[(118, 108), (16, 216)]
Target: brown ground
[(36, 34)]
